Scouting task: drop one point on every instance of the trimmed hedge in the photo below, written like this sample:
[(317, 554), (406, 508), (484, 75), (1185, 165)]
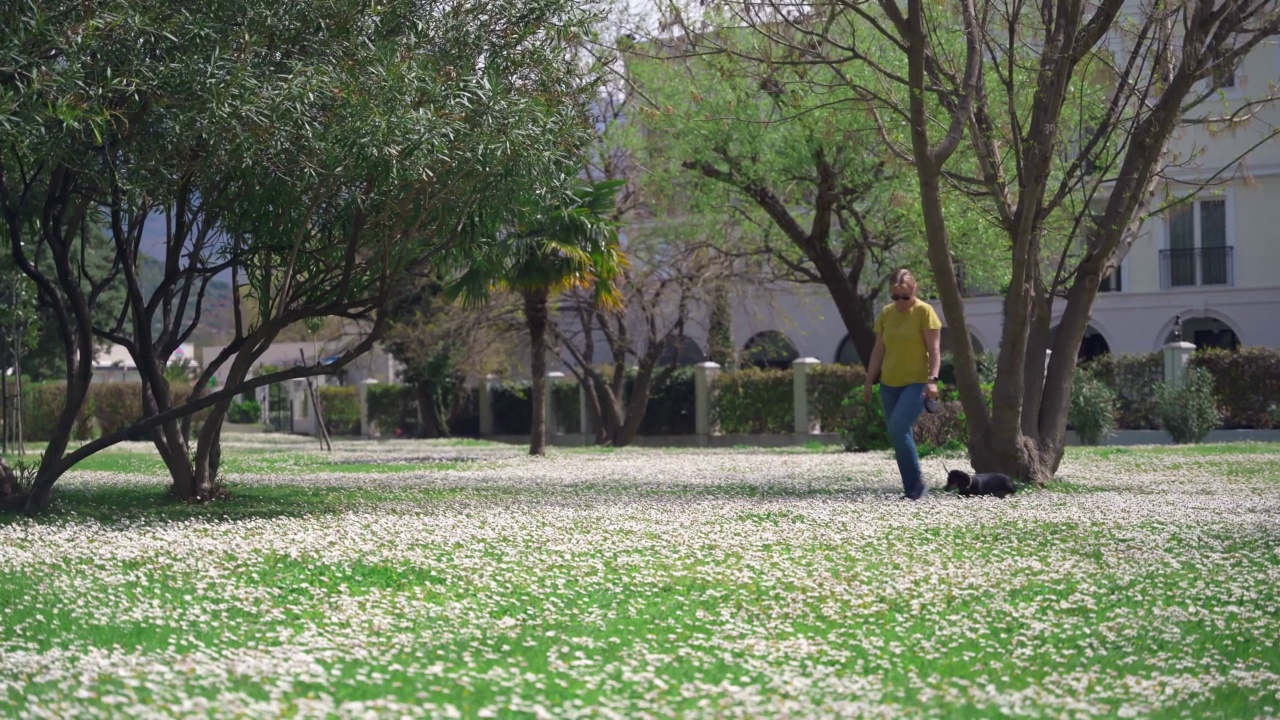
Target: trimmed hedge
[(863, 428), (393, 409), (109, 407), (754, 401), (340, 408), (116, 405), (829, 385), (1246, 385), (564, 404), (1134, 378), (41, 405)]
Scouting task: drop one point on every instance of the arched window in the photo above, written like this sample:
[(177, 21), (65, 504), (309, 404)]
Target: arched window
[(1205, 332), (945, 342), (847, 353), (769, 349), (687, 352), (1092, 344)]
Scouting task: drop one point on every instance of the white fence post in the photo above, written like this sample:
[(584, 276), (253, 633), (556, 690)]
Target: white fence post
[(486, 405), (805, 423), (704, 376), (553, 424), (366, 427), (1176, 355)]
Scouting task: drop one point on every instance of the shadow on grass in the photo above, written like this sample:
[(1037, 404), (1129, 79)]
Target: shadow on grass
[(114, 504), (151, 503)]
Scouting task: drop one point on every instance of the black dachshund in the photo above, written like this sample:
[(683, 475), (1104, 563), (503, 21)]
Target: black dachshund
[(997, 484)]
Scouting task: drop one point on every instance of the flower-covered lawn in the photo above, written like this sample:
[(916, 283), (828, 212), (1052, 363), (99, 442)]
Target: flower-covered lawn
[(420, 578)]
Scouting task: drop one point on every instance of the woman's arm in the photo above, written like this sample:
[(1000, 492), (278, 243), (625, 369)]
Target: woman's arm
[(877, 359), (873, 368), (933, 343)]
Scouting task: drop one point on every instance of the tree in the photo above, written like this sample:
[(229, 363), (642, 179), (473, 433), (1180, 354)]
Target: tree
[(18, 334), (441, 344), (315, 152), (549, 250), (816, 196), (1068, 109), (92, 256), (664, 284)]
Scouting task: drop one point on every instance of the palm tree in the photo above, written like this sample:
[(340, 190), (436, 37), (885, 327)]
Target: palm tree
[(551, 248)]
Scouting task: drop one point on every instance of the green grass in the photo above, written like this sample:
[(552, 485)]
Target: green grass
[(649, 599), (255, 461)]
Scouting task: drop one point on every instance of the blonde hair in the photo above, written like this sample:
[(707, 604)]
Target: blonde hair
[(902, 277)]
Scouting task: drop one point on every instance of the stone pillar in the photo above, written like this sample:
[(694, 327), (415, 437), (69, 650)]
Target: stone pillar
[(704, 376), (362, 392), (486, 405), (1176, 355), (300, 399), (805, 423), (553, 424)]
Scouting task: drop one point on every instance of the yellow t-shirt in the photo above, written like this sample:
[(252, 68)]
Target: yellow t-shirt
[(906, 357)]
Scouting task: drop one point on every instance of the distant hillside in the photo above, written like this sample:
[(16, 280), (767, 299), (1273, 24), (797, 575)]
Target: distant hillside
[(217, 323)]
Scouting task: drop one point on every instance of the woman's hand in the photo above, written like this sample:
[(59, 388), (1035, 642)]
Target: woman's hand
[(931, 391), (866, 393)]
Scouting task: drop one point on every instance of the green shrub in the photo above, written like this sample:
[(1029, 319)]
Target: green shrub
[(755, 400), (829, 385), (862, 427), (565, 406), (116, 405), (1093, 408), (1188, 410), (943, 430), (986, 364), (247, 411), (41, 404), (393, 409), (1134, 378), (1246, 384), (340, 408)]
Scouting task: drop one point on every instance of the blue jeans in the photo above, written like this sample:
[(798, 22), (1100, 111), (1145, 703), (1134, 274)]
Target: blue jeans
[(902, 405)]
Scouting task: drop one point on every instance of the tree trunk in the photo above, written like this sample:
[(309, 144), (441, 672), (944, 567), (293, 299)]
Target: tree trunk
[(209, 451), (51, 464), (536, 317), (8, 482), (427, 409), (594, 386), (1020, 457), (6, 425), (720, 347), (638, 403)]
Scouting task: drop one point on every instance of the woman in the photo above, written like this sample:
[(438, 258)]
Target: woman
[(908, 336)]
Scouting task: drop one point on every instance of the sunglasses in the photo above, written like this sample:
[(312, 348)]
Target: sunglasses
[(897, 298)]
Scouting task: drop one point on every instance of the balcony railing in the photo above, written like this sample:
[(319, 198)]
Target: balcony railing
[(1196, 266)]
